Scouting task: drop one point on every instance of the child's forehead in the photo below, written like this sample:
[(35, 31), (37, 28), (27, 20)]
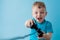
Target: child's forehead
[(38, 8)]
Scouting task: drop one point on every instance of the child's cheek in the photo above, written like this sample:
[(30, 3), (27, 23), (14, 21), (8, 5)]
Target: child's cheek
[(36, 17)]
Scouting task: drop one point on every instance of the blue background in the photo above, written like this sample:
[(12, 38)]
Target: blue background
[(14, 13)]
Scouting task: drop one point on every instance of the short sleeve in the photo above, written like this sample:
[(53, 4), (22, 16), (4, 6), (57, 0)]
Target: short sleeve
[(49, 27)]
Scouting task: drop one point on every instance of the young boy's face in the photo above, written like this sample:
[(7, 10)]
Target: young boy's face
[(39, 13)]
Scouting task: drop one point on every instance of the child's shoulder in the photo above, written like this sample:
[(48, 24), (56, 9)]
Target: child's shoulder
[(48, 23)]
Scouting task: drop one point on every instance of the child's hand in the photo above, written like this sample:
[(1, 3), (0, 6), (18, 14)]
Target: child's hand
[(29, 23)]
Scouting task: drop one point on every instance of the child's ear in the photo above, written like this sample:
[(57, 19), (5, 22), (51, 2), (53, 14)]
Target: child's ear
[(46, 13)]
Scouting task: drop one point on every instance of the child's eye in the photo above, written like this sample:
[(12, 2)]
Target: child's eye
[(42, 12)]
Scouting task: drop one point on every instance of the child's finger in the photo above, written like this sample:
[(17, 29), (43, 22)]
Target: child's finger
[(31, 22)]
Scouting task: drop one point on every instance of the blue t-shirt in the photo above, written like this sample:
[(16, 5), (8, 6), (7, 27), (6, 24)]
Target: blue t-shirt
[(45, 26)]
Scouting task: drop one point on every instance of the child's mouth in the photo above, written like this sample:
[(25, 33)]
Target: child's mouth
[(39, 18)]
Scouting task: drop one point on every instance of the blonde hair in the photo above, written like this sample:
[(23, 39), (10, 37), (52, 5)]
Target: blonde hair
[(39, 4)]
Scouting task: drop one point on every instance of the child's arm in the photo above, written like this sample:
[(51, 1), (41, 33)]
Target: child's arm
[(47, 36), (49, 31)]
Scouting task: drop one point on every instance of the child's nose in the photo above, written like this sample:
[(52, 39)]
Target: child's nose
[(39, 14)]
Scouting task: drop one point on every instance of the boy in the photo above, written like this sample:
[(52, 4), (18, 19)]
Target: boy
[(39, 12)]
